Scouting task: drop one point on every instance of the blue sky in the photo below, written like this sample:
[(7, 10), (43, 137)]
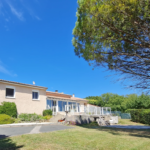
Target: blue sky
[(35, 45)]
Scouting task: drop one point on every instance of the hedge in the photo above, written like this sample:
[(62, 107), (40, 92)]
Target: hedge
[(47, 112), (140, 115), (5, 119), (8, 108)]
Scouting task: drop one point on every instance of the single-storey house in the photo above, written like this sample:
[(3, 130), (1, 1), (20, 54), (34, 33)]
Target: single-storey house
[(34, 99)]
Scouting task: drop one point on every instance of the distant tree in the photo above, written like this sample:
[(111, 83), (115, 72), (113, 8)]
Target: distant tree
[(130, 101), (121, 103), (115, 34), (113, 100), (95, 100)]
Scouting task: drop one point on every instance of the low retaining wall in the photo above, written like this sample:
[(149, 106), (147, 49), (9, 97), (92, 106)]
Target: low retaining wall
[(114, 119), (80, 119), (86, 119)]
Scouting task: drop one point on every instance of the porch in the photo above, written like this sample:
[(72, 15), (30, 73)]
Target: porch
[(75, 107), (62, 105), (96, 110)]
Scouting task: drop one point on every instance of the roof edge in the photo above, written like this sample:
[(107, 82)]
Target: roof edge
[(59, 93), (22, 84), (64, 98)]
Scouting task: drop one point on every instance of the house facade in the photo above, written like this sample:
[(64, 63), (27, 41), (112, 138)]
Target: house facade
[(34, 99), (59, 102)]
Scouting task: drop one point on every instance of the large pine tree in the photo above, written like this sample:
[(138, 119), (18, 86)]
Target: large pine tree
[(115, 34)]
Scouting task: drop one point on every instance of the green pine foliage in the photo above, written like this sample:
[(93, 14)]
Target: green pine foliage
[(8, 108), (5, 119), (114, 34)]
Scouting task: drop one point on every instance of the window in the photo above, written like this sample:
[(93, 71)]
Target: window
[(10, 92), (62, 105), (35, 95), (49, 104), (72, 106)]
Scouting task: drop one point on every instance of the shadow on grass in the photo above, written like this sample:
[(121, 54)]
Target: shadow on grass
[(7, 144), (142, 133)]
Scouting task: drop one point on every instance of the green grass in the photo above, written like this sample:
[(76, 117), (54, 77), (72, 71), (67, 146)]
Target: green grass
[(87, 137), (129, 122)]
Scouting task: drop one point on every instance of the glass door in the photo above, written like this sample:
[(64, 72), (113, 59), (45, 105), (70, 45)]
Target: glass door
[(54, 103), (72, 107)]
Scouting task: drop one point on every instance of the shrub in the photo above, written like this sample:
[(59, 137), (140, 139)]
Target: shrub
[(30, 117), (140, 115), (47, 117), (8, 108), (23, 117), (1, 109), (47, 112), (5, 119), (17, 120)]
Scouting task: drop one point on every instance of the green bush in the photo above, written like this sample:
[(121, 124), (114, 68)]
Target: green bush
[(47, 117), (5, 119), (47, 112), (140, 115), (8, 108), (17, 120), (30, 117), (1, 109)]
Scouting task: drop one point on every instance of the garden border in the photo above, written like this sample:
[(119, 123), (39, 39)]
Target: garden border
[(26, 124)]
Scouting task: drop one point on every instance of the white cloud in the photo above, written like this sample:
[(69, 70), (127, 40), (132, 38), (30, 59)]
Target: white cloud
[(30, 10), (6, 71), (19, 9), (6, 19), (38, 18), (18, 14)]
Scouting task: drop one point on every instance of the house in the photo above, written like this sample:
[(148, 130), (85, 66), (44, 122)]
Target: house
[(34, 99), (59, 102)]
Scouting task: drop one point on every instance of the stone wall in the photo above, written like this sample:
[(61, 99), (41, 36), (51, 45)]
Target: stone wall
[(80, 119)]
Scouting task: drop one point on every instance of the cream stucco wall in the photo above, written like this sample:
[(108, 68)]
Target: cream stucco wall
[(23, 98), (81, 107)]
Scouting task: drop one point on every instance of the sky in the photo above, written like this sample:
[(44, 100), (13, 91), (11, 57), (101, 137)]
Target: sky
[(35, 45)]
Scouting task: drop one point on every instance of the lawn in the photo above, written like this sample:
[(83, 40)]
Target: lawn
[(129, 122), (88, 137)]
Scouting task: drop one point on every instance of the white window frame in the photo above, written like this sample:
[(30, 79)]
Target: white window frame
[(58, 106), (11, 87), (72, 105), (38, 95)]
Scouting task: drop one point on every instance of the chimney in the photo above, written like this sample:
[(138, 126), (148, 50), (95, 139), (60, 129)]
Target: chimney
[(73, 95), (56, 91)]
